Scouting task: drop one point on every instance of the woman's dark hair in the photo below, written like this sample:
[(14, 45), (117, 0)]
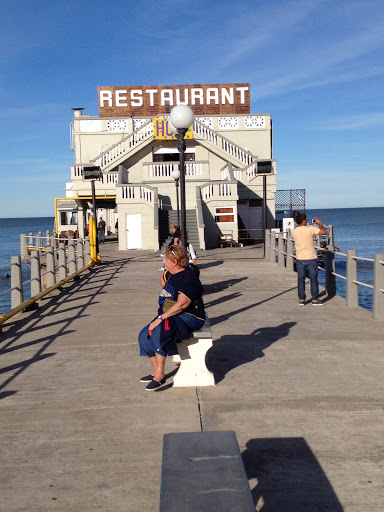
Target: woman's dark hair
[(179, 252)]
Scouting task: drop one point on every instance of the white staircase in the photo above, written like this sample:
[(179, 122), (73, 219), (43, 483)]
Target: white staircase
[(224, 148)]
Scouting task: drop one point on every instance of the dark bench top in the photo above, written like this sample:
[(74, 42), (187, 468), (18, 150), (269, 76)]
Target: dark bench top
[(204, 471)]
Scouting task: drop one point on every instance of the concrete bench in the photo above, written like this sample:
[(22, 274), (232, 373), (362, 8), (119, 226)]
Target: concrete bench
[(203, 472), (193, 370)]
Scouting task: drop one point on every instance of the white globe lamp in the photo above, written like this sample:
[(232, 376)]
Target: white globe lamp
[(182, 116), (172, 128), (176, 174)]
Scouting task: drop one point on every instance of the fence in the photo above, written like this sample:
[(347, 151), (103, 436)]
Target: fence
[(280, 249), (62, 259)]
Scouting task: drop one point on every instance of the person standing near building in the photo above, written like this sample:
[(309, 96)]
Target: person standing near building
[(306, 257), (101, 230)]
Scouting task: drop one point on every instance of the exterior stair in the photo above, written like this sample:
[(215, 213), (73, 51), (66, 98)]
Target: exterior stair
[(168, 217), (214, 141)]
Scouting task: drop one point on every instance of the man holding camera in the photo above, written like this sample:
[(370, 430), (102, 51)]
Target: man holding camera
[(306, 257)]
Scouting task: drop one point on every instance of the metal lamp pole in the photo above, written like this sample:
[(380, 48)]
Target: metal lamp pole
[(176, 177), (181, 146), (181, 118), (94, 213)]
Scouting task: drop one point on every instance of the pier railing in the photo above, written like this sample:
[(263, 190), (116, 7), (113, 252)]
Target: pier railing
[(280, 249), (52, 263)]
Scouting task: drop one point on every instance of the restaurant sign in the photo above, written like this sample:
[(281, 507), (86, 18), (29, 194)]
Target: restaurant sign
[(204, 99), (161, 130)]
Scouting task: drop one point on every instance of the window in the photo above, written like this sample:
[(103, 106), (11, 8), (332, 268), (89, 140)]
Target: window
[(224, 214), (173, 157), (68, 218)]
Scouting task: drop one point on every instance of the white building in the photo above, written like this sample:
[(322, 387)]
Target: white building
[(228, 169)]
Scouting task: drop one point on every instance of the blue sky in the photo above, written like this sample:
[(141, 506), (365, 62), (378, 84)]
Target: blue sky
[(316, 65)]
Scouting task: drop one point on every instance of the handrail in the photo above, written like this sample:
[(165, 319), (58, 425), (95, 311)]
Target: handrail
[(276, 252), (28, 303), (59, 262), (227, 146), (113, 146)]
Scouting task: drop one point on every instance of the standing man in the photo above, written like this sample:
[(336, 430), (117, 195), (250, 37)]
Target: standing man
[(101, 230), (306, 257)]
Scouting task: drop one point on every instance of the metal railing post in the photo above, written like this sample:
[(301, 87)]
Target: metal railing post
[(280, 250), (87, 249), (51, 274), (352, 291), (331, 236), (378, 287), (30, 238), (330, 279), (47, 239), (80, 254), (290, 258), (16, 282), (62, 262), (38, 241), (71, 256), (267, 244), (23, 245), (35, 274), (272, 256)]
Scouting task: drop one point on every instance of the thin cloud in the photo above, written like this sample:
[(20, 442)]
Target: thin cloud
[(262, 33), (354, 122), (325, 64)]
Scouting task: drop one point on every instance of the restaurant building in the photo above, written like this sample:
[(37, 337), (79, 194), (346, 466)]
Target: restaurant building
[(230, 174)]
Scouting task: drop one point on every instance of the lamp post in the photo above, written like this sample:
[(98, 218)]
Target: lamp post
[(181, 118), (176, 177), (93, 173)]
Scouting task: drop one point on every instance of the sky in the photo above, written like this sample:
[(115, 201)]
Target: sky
[(316, 66)]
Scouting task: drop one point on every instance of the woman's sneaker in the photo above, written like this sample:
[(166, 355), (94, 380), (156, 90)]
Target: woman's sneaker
[(317, 303), (147, 378), (154, 384)]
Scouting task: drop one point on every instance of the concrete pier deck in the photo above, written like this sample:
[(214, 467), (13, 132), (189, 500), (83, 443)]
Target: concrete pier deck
[(302, 387)]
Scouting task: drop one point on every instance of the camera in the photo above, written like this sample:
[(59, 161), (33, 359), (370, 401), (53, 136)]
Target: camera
[(313, 221)]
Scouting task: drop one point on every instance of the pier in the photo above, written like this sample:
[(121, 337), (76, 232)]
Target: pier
[(302, 387)]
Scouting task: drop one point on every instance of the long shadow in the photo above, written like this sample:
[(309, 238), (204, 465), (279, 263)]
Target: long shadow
[(289, 477), (51, 305), (226, 316), (221, 300), (222, 285), (210, 264), (231, 351)]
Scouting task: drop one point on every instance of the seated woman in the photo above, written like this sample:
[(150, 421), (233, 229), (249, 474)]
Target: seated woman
[(158, 339)]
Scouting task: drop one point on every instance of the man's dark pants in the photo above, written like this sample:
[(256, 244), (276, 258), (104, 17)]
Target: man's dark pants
[(307, 268)]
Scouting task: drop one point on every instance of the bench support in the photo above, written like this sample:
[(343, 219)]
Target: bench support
[(192, 352), (193, 371)]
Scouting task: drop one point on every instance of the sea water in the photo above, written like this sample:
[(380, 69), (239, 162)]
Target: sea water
[(10, 231), (355, 228)]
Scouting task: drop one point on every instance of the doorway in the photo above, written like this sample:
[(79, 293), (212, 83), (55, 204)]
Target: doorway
[(133, 227)]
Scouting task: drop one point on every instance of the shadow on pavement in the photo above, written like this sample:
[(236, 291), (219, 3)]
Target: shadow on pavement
[(289, 477), (231, 351)]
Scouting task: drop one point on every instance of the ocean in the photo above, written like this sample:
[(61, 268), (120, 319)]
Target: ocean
[(355, 228), (10, 231)]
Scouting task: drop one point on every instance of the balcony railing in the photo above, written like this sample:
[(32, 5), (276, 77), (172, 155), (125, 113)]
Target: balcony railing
[(164, 169)]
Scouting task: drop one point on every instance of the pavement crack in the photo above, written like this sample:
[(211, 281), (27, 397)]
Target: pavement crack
[(199, 408)]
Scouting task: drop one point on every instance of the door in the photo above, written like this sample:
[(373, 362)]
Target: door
[(250, 223), (133, 231)]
